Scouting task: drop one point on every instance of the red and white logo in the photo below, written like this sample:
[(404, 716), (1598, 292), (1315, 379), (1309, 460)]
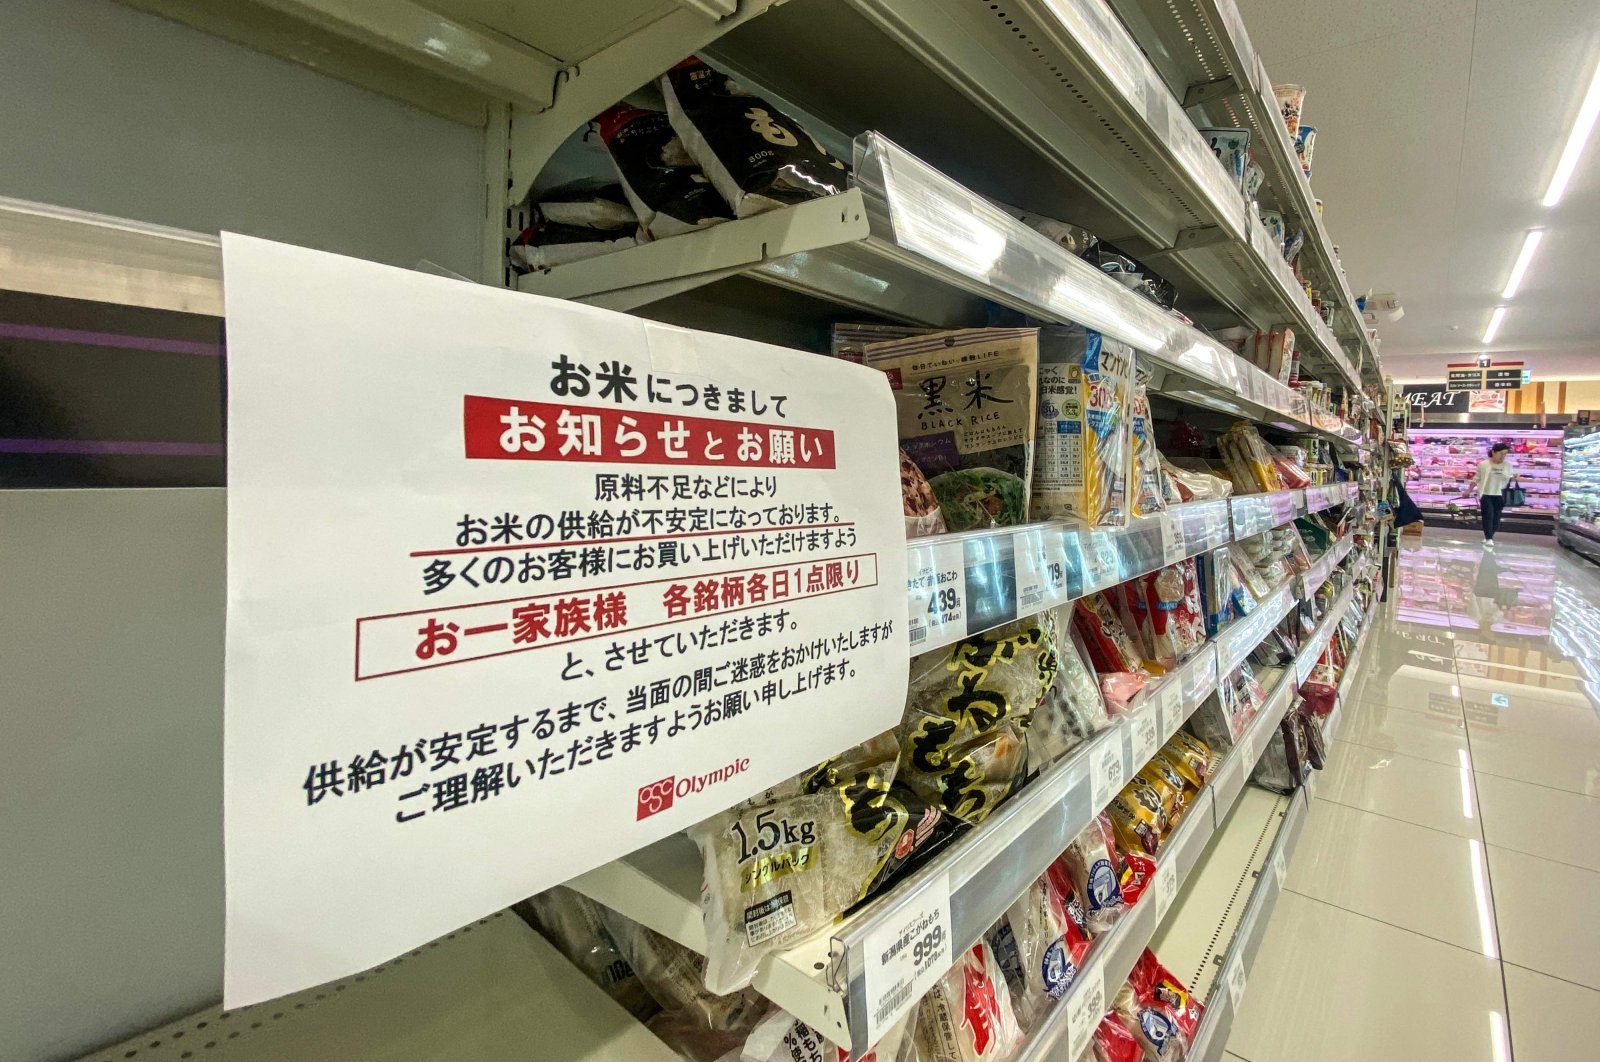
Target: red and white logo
[(659, 796)]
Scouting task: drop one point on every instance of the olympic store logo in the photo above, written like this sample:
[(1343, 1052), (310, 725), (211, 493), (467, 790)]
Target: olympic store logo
[(660, 795)]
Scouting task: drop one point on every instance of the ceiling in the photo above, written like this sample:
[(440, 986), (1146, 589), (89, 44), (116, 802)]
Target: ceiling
[(1438, 124)]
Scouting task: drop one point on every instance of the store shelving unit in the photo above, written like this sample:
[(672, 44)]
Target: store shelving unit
[(1447, 460), (1078, 109), (1578, 518)]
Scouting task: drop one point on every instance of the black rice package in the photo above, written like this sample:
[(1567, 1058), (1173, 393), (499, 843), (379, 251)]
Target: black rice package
[(668, 192), (757, 157)]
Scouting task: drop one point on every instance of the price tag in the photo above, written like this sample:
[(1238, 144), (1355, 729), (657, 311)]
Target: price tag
[(1085, 1010), (1146, 733), (1166, 888), (1171, 708), (1236, 982), (1279, 870), (1107, 774), (936, 592), (905, 956), (1173, 548), (1102, 565), (1041, 570), (1247, 751)]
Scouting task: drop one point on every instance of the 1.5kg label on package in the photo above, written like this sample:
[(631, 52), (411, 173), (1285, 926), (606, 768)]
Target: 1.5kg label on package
[(936, 592), (1085, 1010), (905, 956)]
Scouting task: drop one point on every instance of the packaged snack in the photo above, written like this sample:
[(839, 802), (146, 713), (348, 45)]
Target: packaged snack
[(1215, 575), (1095, 866), (1305, 145), (1291, 98), (1072, 710), (1084, 436), (1150, 487), (572, 922), (757, 157), (1158, 1010), (1039, 944), (1232, 149), (1107, 641), (667, 191), (1168, 788), (965, 403), (781, 1037), (1119, 688), (1136, 816), (1189, 749), (1248, 460), (1138, 870), (1114, 1043), (967, 1016), (1169, 615), (916, 497), (1191, 485), (676, 978), (849, 340)]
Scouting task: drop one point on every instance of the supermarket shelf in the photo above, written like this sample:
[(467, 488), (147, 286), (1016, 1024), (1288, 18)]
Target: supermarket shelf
[(1329, 495), (1256, 513), (822, 980), (1206, 56), (494, 989), (1323, 566), (1067, 115), (1211, 939), (1062, 1034), (47, 250), (1306, 659)]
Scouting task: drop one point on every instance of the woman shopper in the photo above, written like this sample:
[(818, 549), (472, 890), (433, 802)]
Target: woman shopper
[(1494, 474)]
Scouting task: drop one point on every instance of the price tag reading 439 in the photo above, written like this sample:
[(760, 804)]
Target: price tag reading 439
[(936, 592), (905, 956)]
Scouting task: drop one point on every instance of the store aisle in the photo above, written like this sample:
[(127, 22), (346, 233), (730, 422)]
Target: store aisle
[(1441, 902)]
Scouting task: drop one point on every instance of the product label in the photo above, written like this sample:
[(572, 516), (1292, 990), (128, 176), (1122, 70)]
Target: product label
[(1147, 732), (1236, 978), (1040, 560), (768, 919), (1173, 547), (1279, 870), (1099, 562), (936, 592), (1171, 708), (1107, 772), (903, 957), (1165, 887), (494, 558), (1085, 1009)]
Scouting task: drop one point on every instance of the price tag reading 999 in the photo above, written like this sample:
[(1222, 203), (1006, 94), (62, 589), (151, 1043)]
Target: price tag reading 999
[(904, 956), (1085, 1008), (936, 593)]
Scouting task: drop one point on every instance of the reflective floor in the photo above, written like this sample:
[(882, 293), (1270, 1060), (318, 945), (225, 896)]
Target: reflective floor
[(1444, 900)]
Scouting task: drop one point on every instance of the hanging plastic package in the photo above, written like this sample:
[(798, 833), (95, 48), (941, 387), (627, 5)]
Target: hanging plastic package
[(967, 1016), (573, 923), (666, 189), (757, 157)]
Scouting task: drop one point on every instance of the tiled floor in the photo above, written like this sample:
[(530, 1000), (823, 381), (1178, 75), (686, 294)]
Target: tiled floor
[(1442, 900)]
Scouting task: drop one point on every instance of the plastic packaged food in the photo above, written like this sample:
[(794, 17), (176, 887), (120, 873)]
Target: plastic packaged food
[(1248, 460), (965, 405), (543, 245), (916, 497), (1232, 149), (1072, 710), (757, 157), (967, 1016), (1291, 99), (1215, 575), (667, 191), (849, 340), (1305, 145), (1150, 488), (1168, 788), (1111, 649), (1137, 818), (1095, 865), (1158, 1010), (1137, 872), (1195, 486), (1120, 688), (1166, 604), (572, 922), (781, 1037), (1085, 446), (1114, 1043), (1040, 943), (676, 978)]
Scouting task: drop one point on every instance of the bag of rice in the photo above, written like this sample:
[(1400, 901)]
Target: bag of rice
[(1085, 446), (757, 157), (667, 191)]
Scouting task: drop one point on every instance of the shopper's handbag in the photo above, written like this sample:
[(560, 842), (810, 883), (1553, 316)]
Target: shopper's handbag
[(1514, 495)]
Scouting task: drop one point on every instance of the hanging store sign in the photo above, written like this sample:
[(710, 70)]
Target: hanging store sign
[(1489, 376), (1486, 402), (517, 586)]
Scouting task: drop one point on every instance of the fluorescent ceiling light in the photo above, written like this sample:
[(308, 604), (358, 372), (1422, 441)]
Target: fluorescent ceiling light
[(1581, 128), (1494, 325), (1529, 245)]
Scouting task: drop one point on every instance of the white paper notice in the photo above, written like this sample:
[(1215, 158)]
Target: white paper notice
[(905, 955), (516, 586)]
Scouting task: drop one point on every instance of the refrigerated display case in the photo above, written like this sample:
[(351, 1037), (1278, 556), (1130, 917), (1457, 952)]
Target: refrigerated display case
[(1445, 461), (1578, 521)]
